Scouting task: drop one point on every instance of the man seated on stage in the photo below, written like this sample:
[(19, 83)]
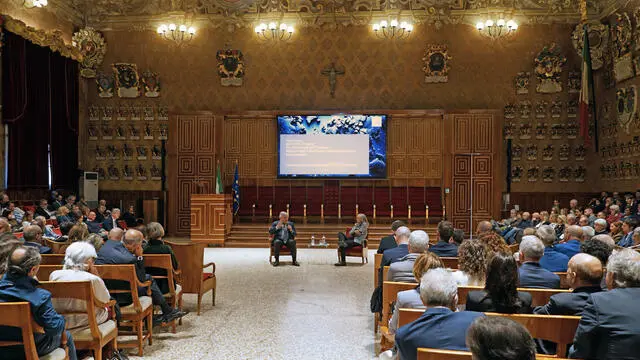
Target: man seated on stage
[(357, 236), (284, 233)]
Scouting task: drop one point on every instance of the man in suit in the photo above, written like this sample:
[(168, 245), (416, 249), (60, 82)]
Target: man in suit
[(32, 236), (609, 327), (572, 240), (552, 260), (284, 233), (532, 275), (389, 242), (112, 221), (93, 226), (402, 270), (129, 251), (41, 210), (446, 246), (600, 226), (627, 228), (440, 327)]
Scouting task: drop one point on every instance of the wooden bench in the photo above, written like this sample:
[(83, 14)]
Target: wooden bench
[(377, 261), (539, 296), (450, 262), (56, 246), (44, 272), (194, 278), (439, 354), (563, 280), (390, 290), (163, 262), (95, 336), (52, 259), (18, 315)]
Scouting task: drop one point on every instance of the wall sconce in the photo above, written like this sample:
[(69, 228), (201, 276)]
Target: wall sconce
[(392, 29), (179, 34), (30, 4), (274, 32), (496, 29)]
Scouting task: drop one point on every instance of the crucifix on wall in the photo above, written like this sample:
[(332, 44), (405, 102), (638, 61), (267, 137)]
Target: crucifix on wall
[(332, 73)]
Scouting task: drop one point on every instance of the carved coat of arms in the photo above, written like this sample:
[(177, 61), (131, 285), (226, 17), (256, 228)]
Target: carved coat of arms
[(92, 46), (151, 84), (230, 67), (127, 80), (549, 63), (436, 64)]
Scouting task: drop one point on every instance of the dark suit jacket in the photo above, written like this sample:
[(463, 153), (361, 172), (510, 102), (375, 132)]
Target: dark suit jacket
[(570, 304), (41, 212), (532, 275), (99, 217), (386, 243), (94, 227), (481, 302), (276, 233), (114, 253), (444, 249), (569, 248), (553, 260), (107, 224), (390, 256), (159, 247), (609, 328), (438, 328)]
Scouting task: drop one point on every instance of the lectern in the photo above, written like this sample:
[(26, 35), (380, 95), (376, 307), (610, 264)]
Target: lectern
[(210, 218)]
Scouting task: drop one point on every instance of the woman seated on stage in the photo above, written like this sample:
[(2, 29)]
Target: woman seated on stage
[(357, 236)]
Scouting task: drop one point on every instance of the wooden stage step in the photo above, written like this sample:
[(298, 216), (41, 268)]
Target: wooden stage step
[(256, 235)]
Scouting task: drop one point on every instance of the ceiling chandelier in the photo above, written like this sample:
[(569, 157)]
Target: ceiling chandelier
[(392, 29), (274, 31), (179, 34), (29, 4), (496, 29)]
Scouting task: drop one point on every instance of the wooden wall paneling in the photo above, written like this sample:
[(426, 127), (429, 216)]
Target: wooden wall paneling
[(462, 133)]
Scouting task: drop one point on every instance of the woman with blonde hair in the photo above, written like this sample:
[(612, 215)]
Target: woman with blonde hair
[(62, 215), (472, 263), (616, 231), (357, 236), (560, 225), (410, 299), (78, 233)]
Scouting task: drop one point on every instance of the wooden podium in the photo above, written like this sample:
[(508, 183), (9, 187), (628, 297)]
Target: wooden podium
[(210, 218)]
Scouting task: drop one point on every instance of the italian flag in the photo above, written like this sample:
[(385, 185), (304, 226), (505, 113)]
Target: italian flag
[(219, 186), (587, 95)]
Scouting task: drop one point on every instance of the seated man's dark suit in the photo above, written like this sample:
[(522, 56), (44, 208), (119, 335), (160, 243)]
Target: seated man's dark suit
[(386, 243), (114, 252), (569, 248), (532, 275), (481, 301), (390, 256), (40, 211), (284, 237), (437, 328), (444, 249), (41, 248), (94, 227), (109, 223), (609, 328), (553, 260)]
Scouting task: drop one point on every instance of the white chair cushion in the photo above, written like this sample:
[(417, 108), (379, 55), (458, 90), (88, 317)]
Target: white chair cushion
[(84, 334), (145, 302), (57, 354), (178, 291)]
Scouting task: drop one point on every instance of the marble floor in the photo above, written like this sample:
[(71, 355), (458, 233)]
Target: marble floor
[(315, 311)]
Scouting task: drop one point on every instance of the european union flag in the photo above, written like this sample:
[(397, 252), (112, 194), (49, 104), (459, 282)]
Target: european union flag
[(236, 192)]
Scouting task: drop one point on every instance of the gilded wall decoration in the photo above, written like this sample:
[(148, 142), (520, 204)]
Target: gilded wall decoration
[(557, 131), (636, 31), (516, 152), (524, 108), (579, 173), (509, 111), (541, 130), (522, 82), (626, 106), (548, 173), (532, 152), (574, 82), (230, 67), (525, 131), (509, 128), (621, 34), (564, 173), (52, 40), (532, 173), (556, 108), (516, 173), (549, 63), (105, 84), (598, 42), (436, 64), (541, 109), (151, 84), (127, 80), (92, 47), (547, 152)]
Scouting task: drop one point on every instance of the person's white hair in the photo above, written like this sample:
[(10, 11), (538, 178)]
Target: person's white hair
[(601, 222), (531, 247), (418, 241), (636, 232), (403, 232), (438, 288), (614, 207), (283, 213), (154, 231), (604, 238), (77, 254), (546, 234), (588, 232), (624, 265)]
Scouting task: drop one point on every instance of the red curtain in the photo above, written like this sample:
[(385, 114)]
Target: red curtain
[(40, 101)]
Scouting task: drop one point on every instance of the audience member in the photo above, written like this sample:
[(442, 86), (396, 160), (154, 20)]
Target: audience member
[(587, 232), (609, 327), (591, 218), (561, 224), (498, 338), (93, 225), (440, 327), (458, 236), (494, 242), (6, 247), (616, 231), (552, 260), (446, 246), (500, 292), (572, 240), (112, 221), (32, 236), (600, 226), (392, 255), (636, 238), (19, 283), (627, 229), (157, 246), (4, 226), (129, 216), (472, 264), (115, 234), (79, 266), (70, 201), (614, 214), (402, 270), (484, 227), (571, 220), (78, 232), (62, 215), (389, 241), (531, 274), (101, 213), (96, 241)]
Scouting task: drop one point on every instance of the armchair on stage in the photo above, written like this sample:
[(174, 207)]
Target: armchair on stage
[(360, 251), (284, 251)]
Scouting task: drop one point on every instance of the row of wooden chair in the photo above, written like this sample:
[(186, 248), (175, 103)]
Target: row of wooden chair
[(437, 354)]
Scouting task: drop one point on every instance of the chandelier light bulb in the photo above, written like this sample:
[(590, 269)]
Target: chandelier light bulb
[(183, 28), (403, 25), (272, 26), (263, 27), (376, 27), (500, 22), (480, 25), (192, 30), (258, 29), (409, 28), (514, 27), (290, 29), (172, 27), (283, 27), (383, 24), (394, 23), (488, 23)]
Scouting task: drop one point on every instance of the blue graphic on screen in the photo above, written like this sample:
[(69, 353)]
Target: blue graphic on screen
[(343, 145)]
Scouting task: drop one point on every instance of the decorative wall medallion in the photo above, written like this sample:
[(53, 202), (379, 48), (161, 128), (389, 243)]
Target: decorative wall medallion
[(148, 133), (141, 173), (156, 154), (572, 129), (623, 67), (105, 85), (621, 35), (92, 47), (547, 152), (626, 104), (572, 108), (579, 174), (541, 130), (134, 134), (516, 152), (127, 153), (548, 173), (532, 152), (114, 173), (579, 152), (112, 152), (565, 151), (524, 109), (516, 173), (574, 82), (156, 173), (532, 173), (522, 83), (122, 113), (163, 113), (92, 131), (525, 131), (541, 109), (564, 173), (107, 131), (148, 113), (120, 133), (94, 113), (436, 64), (126, 173), (509, 111), (136, 113), (549, 63), (557, 131), (509, 128), (142, 153), (127, 80), (598, 42), (163, 133), (100, 154), (230, 67), (556, 108), (151, 84)]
